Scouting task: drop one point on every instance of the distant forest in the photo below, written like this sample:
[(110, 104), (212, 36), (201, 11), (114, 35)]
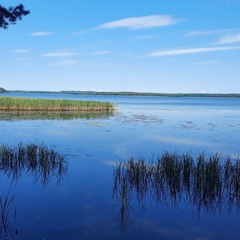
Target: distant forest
[(127, 93)]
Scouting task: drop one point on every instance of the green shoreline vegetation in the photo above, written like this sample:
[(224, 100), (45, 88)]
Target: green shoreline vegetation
[(37, 104), (129, 93)]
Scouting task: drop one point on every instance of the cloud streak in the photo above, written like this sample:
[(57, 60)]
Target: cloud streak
[(151, 21), (211, 32), (24, 59), (101, 52), (234, 38), (37, 34), (191, 51), (65, 63), (59, 54), (20, 51), (206, 62), (233, 1)]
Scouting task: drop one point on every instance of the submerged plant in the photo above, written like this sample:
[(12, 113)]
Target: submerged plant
[(38, 161)]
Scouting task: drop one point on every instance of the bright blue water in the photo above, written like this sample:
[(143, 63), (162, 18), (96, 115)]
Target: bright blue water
[(82, 206)]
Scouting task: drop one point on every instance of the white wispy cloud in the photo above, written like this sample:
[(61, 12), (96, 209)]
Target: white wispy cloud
[(151, 21), (101, 52), (65, 63), (233, 38), (145, 37), (211, 32), (207, 62), (20, 51), (233, 1), (59, 54), (191, 51), (25, 59), (36, 34)]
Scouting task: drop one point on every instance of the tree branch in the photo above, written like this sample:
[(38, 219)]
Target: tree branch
[(11, 15)]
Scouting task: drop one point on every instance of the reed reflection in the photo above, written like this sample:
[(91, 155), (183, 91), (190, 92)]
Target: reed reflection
[(207, 184), (40, 162), (52, 115), (6, 209)]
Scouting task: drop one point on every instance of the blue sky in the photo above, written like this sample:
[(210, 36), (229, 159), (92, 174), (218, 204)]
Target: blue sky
[(167, 46)]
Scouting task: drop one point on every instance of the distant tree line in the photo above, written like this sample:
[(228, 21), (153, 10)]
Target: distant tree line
[(10, 15), (127, 93)]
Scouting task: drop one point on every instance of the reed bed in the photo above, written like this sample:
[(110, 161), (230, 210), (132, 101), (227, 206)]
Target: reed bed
[(35, 104), (38, 161), (207, 183)]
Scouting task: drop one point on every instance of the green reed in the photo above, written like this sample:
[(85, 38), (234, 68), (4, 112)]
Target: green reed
[(35, 104), (36, 160)]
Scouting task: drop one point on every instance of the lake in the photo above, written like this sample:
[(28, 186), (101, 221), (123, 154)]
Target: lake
[(83, 204)]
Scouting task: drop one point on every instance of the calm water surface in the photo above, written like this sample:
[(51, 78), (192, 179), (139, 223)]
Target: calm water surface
[(82, 206)]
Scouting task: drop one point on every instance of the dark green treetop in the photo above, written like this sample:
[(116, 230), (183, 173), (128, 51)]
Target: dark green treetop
[(11, 15)]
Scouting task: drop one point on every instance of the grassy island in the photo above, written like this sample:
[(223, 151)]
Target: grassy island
[(36, 104)]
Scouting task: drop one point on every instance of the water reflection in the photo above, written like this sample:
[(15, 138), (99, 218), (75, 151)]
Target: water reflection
[(206, 184), (40, 162), (6, 207), (51, 115)]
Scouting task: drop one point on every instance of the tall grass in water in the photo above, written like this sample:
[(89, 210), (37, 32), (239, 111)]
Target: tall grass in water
[(35, 104), (207, 183), (38, 161)]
